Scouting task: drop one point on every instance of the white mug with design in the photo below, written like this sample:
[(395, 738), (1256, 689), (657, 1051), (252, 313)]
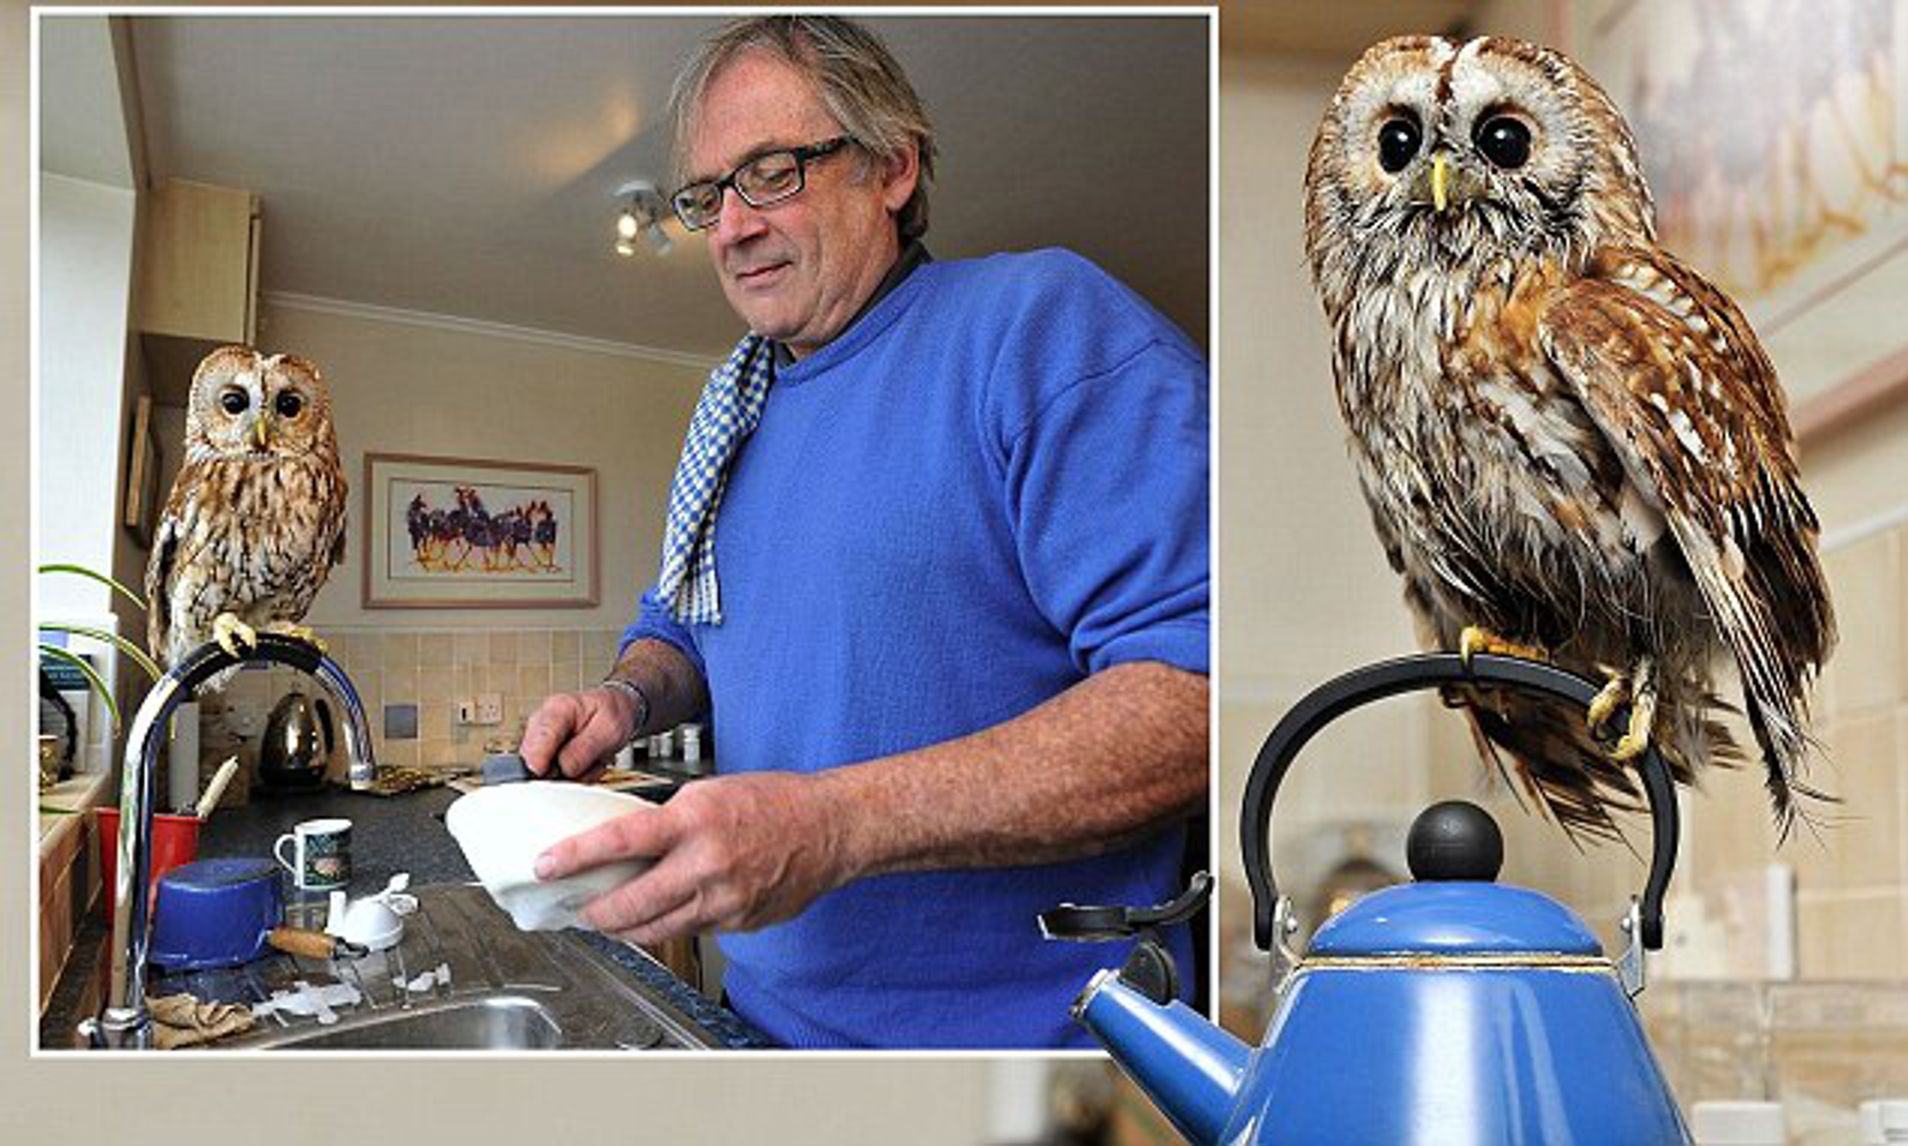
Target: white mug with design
[(321, 854)]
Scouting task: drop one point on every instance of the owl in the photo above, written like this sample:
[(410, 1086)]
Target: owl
[(256, 516), (1572, 445)]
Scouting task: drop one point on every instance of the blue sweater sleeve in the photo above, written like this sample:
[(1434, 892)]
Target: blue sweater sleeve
[(654, 622), (1107, 487)]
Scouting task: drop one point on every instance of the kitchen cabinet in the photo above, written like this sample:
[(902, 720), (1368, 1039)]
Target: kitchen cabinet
[(197, 279)]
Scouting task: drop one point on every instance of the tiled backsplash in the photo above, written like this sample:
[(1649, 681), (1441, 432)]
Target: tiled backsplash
[(431, 669)]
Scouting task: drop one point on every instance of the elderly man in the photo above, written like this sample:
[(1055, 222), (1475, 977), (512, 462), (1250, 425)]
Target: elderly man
[(936, 570)]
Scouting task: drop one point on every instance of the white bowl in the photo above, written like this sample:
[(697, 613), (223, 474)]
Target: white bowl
[(505, 827)]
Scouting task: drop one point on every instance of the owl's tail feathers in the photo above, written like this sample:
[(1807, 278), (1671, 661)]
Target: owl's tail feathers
[(1545, 747)]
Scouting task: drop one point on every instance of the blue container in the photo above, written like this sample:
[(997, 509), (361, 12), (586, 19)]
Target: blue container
[(215, 913)]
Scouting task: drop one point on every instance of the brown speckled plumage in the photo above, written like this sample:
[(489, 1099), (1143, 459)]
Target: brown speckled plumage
[(248, 529), (1565, 436)]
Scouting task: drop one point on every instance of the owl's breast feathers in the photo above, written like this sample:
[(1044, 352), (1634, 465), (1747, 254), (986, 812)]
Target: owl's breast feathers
[(253, 537)]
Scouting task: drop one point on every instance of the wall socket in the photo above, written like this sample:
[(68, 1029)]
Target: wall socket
[(484, 708)]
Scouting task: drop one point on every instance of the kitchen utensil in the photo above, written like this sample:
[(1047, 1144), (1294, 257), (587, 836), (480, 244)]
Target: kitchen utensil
[(215, 913), (175, 841), (1449, 1008), (216, 788), (503, 828), (296, 746), (506, 768), (313, 944), (321, 853)]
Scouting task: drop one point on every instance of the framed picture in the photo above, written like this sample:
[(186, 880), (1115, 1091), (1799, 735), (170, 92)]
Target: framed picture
[(465, 533), (142, 475)]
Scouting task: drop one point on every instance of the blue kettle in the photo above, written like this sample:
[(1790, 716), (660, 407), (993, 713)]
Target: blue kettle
[(1448, 1010)]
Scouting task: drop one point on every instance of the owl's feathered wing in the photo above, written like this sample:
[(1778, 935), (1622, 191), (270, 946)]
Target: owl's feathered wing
[(1671, 374)]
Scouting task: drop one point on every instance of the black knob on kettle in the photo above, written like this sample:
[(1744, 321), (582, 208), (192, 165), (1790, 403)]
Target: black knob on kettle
[(1454, 839)]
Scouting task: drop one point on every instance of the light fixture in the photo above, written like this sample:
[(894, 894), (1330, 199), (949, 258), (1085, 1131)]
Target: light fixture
[(643, 215)]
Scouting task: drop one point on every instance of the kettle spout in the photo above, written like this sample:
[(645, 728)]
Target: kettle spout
[(1188, 1066)]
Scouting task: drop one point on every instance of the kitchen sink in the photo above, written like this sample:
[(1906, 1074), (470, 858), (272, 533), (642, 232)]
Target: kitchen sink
[(462, 978), (499, 1022)]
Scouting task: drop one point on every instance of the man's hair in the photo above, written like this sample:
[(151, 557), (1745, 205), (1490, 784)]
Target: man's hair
[(859, 82)]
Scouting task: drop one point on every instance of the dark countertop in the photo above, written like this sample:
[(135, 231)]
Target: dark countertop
[(389, 834)]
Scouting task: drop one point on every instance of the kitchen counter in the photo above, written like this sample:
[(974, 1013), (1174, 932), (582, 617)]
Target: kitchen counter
[(389, 834)]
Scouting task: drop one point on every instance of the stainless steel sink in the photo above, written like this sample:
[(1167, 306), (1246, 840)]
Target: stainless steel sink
[(463, 978), (500, 1022)]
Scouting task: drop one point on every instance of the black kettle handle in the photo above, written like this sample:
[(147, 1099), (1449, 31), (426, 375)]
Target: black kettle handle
[(1361, 686)]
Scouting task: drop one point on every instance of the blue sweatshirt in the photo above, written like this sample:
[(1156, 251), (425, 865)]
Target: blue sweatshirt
[(991, 485)]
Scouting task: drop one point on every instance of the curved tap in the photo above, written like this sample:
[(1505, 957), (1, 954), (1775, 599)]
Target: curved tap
[(125, 1022)]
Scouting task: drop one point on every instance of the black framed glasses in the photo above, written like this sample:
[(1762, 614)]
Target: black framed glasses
[(766, 179)]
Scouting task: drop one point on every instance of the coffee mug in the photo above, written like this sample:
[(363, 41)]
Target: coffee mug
[(321, 851)]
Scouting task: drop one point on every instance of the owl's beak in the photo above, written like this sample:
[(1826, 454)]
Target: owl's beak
[(1440, 182), (262, 432)]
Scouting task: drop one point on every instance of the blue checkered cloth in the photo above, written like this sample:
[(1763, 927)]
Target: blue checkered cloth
[(726, 414)]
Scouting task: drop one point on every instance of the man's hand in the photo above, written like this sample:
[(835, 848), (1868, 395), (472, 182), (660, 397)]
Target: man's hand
[(577, 731), (733, 853)]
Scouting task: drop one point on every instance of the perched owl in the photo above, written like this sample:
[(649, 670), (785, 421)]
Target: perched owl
[(1571, 444), (256, 517)]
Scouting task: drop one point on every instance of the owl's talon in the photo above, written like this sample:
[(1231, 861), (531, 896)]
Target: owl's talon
[(1641, 685), (1614, 694), (304, 633), (233, 635), (1477, 639)]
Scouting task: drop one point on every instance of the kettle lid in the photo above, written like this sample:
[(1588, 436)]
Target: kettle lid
[(1455, 850)]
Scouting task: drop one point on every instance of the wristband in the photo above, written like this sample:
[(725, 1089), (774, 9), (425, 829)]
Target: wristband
[(630, 689)]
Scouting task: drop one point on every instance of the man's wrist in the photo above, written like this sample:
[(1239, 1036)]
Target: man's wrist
[(640, 698)]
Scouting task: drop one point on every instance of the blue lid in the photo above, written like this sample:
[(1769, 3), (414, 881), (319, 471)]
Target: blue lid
[(1455, 917)]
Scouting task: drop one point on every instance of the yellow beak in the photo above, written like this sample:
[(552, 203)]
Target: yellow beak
[(1440, 182), (262, 431)]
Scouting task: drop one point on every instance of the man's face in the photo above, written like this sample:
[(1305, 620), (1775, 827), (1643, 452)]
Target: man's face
[(798, 270)]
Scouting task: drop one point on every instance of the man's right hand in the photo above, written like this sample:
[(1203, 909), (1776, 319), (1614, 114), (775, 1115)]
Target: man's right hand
[(577, 732)]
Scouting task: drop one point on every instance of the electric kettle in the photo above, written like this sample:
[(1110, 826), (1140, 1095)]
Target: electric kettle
[(1452, 1009), (296, 746)]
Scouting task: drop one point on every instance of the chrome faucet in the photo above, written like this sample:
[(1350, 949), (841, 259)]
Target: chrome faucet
[(125, 1022)]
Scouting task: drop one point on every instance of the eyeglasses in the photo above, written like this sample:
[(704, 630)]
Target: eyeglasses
[(762, 181)]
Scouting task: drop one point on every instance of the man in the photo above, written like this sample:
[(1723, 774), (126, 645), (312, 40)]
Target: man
[(951, 631)]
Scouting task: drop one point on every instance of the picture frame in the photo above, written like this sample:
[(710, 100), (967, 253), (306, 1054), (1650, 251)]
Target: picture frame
[(141, 501), (475, 533)]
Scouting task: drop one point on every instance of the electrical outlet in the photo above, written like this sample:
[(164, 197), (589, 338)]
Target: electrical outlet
[(466, 710), (490, 708)]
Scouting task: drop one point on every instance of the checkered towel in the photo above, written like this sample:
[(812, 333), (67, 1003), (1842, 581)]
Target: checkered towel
[(726, 414)]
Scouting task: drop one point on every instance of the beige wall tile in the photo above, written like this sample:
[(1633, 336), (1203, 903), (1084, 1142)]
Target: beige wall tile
[(1850, 936), (402, 753), (1728, 829), (1866, 581), (439, 752), (469, 648), (399, 651), (435, 684), (533, 646), (400, 685), (503, 648), (434, 719), (434, 650), (565, 645), (533, 681), (1858, 842)]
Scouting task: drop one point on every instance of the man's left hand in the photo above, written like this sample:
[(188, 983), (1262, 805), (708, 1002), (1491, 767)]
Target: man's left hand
[(732, 853)]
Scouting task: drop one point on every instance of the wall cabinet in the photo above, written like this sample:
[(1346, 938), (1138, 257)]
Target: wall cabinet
[(197, 278)]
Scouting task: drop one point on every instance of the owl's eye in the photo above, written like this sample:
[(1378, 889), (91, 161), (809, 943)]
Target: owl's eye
[(234, 401), (288, 404), (1398, 141), (1505, 141)]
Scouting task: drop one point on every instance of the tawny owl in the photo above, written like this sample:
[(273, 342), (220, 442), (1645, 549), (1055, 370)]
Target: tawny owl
[(256, 516), (1568, 439)]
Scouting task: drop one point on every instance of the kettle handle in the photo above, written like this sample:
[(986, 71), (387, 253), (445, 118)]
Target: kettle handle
[(1361, 686)]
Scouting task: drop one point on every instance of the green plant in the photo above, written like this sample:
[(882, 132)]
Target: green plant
[(133, 652)]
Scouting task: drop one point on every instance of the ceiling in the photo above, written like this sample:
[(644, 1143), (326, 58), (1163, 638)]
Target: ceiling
[(466, 165)]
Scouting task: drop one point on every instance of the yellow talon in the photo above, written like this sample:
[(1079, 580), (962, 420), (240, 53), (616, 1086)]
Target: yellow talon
[(1604, 705), (1477, 639), (297, 632), (233, 635)]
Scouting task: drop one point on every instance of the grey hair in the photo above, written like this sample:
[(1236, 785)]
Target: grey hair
[(857, 78)]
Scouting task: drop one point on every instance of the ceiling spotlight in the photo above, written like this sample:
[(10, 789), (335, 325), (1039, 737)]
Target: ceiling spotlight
[(643, 215)]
